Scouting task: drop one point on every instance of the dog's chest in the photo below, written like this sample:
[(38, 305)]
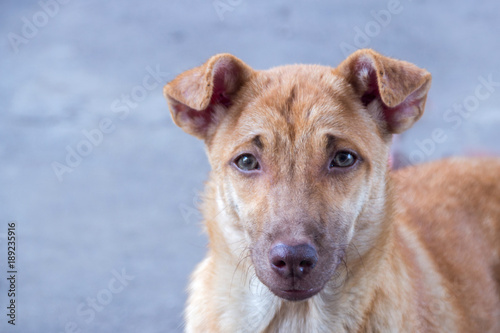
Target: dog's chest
[(266, 313)]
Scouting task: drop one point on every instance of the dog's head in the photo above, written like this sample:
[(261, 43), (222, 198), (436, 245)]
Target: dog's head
[(299, 156)]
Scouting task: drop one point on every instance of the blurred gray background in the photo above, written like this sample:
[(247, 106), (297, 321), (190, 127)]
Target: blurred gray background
[(103, 186)]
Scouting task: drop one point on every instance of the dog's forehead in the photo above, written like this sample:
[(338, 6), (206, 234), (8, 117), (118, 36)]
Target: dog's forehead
[(301, 72), (298, 92), (310, 80), (300, 98), (293, 109)]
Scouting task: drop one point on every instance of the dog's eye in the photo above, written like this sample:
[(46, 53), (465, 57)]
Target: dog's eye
[(247, 162), (343, 159)]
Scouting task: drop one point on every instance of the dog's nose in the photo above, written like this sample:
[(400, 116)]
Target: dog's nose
[(293, 261)]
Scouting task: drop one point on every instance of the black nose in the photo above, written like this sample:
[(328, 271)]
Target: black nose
[(293, 261)]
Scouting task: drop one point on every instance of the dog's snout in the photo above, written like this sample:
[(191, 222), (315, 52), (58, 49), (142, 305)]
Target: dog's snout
[(293, 260)]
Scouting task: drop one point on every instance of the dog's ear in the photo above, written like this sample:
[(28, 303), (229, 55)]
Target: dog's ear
[(399, 87), (199, 97)]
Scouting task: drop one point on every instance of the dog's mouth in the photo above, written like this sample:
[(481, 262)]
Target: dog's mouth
[(296, 294)]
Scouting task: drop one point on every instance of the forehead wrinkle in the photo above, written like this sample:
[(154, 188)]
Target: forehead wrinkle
[(308, 102), (244, 142), (295, 133)]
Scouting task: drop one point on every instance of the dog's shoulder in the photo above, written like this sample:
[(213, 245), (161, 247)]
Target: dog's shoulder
[(452, 207), (455, 196), (464, 183), (460, 178)]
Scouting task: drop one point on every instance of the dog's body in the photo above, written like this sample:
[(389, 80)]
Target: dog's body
[(309, 231)]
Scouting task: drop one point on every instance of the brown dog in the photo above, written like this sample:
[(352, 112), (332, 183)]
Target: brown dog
[(308, 229)]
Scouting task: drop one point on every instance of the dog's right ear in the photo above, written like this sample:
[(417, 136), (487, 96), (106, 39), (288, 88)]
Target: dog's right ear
[(199, 97)]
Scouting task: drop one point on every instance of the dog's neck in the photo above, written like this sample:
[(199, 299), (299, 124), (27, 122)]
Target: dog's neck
[(342, 303)]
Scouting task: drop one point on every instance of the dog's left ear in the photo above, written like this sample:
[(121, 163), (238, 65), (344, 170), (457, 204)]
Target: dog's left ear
[(199, 97), (399, 87)]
